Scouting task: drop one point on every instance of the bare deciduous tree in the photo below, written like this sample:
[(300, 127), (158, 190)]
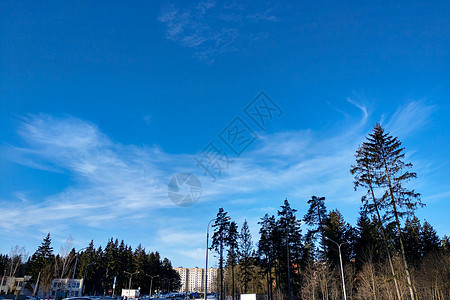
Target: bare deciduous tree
[(16, 257), (63, 263)]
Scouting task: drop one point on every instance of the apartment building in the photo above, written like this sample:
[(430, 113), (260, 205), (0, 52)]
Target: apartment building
[(193, 279)]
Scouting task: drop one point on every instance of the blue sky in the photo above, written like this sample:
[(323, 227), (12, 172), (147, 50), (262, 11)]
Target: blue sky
[(103, 103)]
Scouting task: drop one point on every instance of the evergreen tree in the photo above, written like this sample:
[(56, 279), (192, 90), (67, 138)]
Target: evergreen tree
[(140, 261), (266, 249), (411, 236), (339, 231), (42, 264), (369, 245), (154, 266), (112, 261), (366, 172), (291, 239), (42, 256), (445, 245), (315, 218), (245, 251), (308, 253), (172, 278), (387, 157), (429, 240), (232, 243), (380, 164), (4, 259), (221, 228), (87, 267)]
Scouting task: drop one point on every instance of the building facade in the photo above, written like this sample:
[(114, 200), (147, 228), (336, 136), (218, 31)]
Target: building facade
[(67, 287), (193, 279), (14, 285)]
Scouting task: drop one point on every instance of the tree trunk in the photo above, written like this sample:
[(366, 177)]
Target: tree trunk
[(221, 271), (245, 274), (232, 282), (270, 279), (397, 221), (380, 225)]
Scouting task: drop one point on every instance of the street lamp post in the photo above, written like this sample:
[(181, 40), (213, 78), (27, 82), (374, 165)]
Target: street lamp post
[(75, 269), (129, 282), (206, 269), (84, 275), (151, 283), (342, 269)]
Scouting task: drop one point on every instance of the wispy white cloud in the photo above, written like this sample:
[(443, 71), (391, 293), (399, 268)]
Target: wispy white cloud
[(118, 183), (359, 103), (267, 15), (111, 180), (210, 29), (410, 117)]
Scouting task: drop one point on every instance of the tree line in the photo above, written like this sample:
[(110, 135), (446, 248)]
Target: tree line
[(98, 266), (389, 254)]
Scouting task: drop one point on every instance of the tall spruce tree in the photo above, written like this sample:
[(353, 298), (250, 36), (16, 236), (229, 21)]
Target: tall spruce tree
[(42, 264), (365, 172), (42, 256), (219, 241), (383, 166)]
